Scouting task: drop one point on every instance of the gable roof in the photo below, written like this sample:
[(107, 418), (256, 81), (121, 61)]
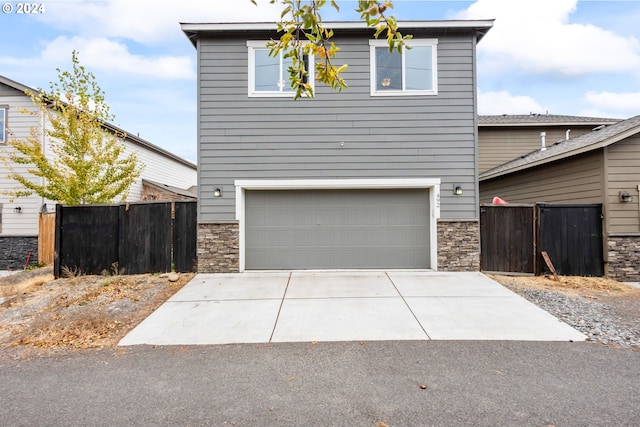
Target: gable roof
[(111, 127), (581, 144), (542, 120), (480, 27)]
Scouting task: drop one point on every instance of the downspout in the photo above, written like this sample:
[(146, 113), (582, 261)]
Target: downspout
[(638, 188), (566, 135)]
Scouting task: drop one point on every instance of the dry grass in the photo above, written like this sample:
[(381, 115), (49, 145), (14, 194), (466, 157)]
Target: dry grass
[(80, 312), (573, 285), (12, 289)]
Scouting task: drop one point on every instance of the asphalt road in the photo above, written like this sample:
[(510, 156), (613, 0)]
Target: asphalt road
[(328, 384)]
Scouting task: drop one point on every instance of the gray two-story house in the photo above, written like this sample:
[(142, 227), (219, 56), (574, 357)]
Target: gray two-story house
[(382, 175)]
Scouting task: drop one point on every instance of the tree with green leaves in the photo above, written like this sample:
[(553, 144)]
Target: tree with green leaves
[(87, 163), (303, 33)]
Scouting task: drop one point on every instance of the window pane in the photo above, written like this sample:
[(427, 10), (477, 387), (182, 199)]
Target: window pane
[(286, 63), (2, 121), (418, 63), (388, 69), (267, 71)]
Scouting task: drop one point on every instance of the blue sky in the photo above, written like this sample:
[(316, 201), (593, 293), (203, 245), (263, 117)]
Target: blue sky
[(556, 56)]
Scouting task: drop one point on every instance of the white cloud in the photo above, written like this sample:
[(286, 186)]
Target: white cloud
[(537, 37), (612, 104), (107, 55), (151, 21), (502, 102)]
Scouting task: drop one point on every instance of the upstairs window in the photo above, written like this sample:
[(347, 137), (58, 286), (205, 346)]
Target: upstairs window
[(3, 124), (269, 75), (410, 72)]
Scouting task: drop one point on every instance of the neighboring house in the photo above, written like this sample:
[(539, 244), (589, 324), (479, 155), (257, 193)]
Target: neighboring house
[(19, 218), (156, 191), (504, 137), (602, 166), (381, 175)]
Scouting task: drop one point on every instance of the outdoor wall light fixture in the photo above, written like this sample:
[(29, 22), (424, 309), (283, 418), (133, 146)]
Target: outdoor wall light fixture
[(457, 190), (217, 192), (17, 209), (625, 197)]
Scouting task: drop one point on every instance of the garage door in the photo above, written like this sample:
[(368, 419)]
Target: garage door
[(327, 229)]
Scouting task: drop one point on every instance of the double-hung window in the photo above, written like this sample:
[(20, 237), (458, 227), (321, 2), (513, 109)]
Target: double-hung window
[(269, 75), (413, 71), (3, 124)]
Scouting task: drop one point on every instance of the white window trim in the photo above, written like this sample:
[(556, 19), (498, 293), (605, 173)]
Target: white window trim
[(431, 184), (3, 112), (373, 44), (254, 45)]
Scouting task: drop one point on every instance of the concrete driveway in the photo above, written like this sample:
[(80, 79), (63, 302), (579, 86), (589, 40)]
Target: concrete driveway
[(306, 306)]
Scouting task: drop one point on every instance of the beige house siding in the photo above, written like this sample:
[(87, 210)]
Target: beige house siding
[(623, 174), (498, 145), (19, 127), (157, 167), (576, 180)]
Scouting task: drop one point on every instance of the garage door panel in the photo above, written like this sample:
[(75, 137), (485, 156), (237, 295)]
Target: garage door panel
[(337, 229)]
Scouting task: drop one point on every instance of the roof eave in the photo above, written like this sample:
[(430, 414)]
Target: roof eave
[(536, 124), (193, 29)]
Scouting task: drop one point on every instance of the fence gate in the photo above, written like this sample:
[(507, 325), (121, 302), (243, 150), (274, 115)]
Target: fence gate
[(144, 238), (507, 238), (513, 237), (572, 236)]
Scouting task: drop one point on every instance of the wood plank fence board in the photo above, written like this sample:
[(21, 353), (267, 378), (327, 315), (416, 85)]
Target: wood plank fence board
[(46, 237), (185, 237), (145, 238)]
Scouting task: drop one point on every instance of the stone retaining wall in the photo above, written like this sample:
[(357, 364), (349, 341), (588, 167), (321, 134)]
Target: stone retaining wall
[(624, 258), (15, 250), (218, 247), (458, 246)]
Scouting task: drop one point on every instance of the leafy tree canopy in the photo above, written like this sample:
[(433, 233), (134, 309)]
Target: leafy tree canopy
[(78, 161)]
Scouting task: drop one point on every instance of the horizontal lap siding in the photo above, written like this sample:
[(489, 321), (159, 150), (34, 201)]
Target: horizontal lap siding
[(384, 137), (576, 180), (499, 145), (623, 170), (19, 125)]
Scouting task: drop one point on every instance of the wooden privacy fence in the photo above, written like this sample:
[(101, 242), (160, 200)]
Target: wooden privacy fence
[(130, 238), (46, 237), (512, 238)]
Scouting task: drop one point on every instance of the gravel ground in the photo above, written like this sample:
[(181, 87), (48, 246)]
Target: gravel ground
[(617, 323)]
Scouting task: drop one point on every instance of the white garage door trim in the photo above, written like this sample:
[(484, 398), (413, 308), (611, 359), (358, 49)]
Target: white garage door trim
[(432, 184)]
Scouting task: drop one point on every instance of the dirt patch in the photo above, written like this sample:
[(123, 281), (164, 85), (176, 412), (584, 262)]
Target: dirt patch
[(44, 315), (586, 287)]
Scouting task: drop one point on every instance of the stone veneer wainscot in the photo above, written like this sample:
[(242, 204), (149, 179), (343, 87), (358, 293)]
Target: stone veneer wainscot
[(218, 247), (458, 245), (624, 257)]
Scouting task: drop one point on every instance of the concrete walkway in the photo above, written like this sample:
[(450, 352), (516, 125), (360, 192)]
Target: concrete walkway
[(305, 306)]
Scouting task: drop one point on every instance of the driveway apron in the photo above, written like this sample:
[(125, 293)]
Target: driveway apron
[(307, 306)]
